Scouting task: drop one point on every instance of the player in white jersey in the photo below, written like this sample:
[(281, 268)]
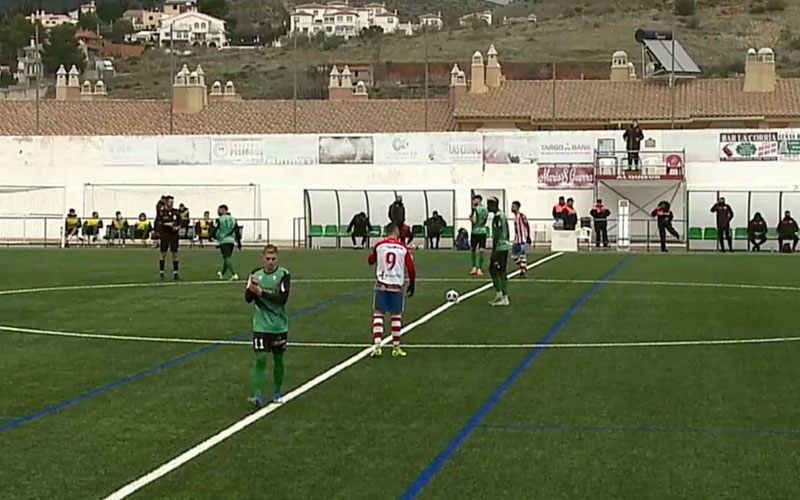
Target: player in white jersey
[(522, 238), (393, 264)]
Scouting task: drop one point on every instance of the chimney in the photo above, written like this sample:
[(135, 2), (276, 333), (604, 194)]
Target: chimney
[(336, 88), (230, 92), (347, 81), (61, 84), (86, 91), (73, 91), (100, 92), (494, 73), (360, 92), (620, 70), (478, 75), (759, 71), (458, 84), (189, 91), (216, 92)]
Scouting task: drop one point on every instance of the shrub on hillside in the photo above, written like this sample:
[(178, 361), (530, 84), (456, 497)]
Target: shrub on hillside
[(775, 5), (684, 7), (757, 8)]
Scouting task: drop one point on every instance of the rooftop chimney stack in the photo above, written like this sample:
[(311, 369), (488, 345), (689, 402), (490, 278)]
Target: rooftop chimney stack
[(478, 83), (620, 68), (216, 92), (61, 84), (189, 91), (759, 71), (360, 92), (230, 92), (458, 84), (73, 90), (100, 92), (86, 91), (340, 87), (494, 73)]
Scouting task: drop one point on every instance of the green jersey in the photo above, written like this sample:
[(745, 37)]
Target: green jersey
[(500, 233), (479, 217), (269, 310), (226, 229)]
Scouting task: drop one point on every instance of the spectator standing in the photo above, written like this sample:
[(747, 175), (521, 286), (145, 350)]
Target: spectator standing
[(600, 215), (397, 216), (72, 226), (663, 215), (434, 227), (787, 230), (724, 214), (359, 227), (558, 208), (569, 215), (633, 142), (757, 231)]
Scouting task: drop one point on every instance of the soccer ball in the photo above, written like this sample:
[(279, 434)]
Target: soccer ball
[(452, 296)]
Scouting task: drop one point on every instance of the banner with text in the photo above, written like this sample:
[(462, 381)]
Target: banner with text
[(567, 147), (184, 150), (789, 146), (748, 146), (291, 150), (427, 148), (233, 151), (566, 176), (346, 149), (129, 151), (510, 149)]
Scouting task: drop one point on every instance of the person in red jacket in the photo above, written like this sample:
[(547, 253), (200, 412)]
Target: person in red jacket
[(600, 215), (558, 208), (787, 230), (664, 216), (757, 231)]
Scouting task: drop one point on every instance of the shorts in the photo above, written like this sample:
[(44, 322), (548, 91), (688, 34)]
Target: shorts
[(499, 262), (169, 241), (270, 342), (389, 302), (226, 249), (477, 241), (519, 250)]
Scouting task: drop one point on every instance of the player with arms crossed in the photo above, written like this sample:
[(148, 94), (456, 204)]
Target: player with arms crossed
[(522, 238), (394, 264), (479, 217), (498, 263), (268, 291), (227, 235), (168, 223)]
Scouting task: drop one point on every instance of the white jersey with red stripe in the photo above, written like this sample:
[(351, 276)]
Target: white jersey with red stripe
[(393, 264), (522, 230)]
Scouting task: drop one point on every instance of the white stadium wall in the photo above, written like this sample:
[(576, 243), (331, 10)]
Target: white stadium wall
[(267, 175)]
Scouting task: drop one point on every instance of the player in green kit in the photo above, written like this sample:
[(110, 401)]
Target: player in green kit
[(268, 291), (477, 242), (498, 263), (227, 235)]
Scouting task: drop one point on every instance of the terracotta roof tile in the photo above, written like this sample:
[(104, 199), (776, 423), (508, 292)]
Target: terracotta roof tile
[(140, 117)]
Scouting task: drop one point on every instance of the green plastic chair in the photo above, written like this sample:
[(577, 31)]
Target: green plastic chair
[(772, 234), (343, 232), (331, 231), (710, 234), (315, 231), (740, 233), (695, 233), (375, 232), (418, 231), (449, 232)]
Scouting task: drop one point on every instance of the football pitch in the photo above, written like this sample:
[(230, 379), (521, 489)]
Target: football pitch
[(609, 377)]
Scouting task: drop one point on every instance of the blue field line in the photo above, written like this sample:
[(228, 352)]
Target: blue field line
[(661, 430), (13, 424), (430, 472)]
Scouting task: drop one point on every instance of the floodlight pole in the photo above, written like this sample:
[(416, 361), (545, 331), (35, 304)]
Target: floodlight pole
[(37, 69), (425, 41), (294, 83), (672, 73), (171, 73)]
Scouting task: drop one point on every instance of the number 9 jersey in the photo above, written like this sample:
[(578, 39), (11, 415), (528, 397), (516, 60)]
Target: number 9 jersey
[(393, 264)]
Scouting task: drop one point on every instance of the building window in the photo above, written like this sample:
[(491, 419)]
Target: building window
[(338, 19), (316, 12), (203, 25), (391, 20), (349, 18)]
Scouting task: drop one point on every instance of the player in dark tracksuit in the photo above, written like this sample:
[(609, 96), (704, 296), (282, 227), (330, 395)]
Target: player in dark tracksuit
[(664, 216), (724, 214), (600, 215)]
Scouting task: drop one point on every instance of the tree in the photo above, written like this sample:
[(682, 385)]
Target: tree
[(110, 10), (88, 21), (214, 8), (684, 7), (372, 33), (15, 33), (119, 29), (62, 48)]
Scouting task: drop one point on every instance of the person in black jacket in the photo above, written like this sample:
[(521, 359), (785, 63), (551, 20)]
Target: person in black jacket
[(633, 137), (663, 215), (359, 227), (569, 215), (397, 216), (787, 230), (757, 231), (434, 226), (724, 214), (600, 215)]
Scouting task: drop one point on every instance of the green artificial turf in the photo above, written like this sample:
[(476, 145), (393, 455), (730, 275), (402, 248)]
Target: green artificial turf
[(603, 422)]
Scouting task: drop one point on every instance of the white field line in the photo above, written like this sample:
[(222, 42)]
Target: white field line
[(224, 434), (351, 345), (111, 286)]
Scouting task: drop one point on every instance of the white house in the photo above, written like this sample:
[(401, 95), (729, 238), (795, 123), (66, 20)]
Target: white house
[(191, 29), (434, 21), (49, 20), (85, 8), (341, 19), (485, 16)]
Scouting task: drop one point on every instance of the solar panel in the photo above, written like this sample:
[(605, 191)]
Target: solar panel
[(661, 51)]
